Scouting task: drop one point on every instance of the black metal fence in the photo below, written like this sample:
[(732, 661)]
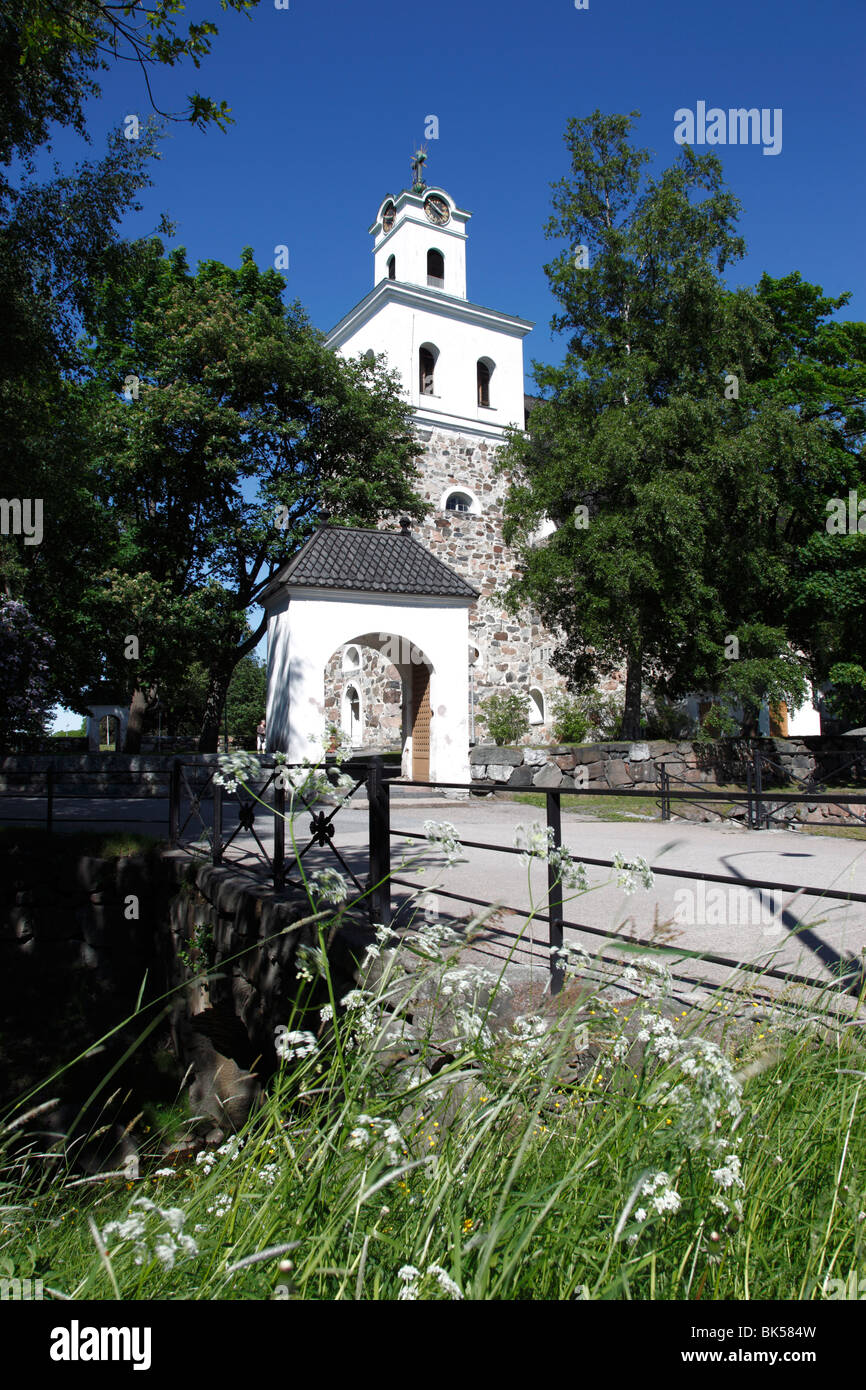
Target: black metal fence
[(189, 786)]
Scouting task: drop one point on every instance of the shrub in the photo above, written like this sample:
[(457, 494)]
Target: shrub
[(666, 720), (604, 714), (570, 719), (717, 723), (506, 717)]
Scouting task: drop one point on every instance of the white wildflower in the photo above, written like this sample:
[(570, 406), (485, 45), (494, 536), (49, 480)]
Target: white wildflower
[(536, 841), (329, 885), (445, 1281), (161, 1227), (409, 1276), (443, 835), (379, 1135), (355, 999), (231, 1148), (632, 873), (728, 1175)]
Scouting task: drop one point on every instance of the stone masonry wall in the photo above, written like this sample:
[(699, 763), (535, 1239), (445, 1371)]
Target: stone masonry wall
[(513, 652), (601, 766)]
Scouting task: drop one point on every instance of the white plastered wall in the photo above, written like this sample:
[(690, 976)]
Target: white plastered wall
[(305, 627)]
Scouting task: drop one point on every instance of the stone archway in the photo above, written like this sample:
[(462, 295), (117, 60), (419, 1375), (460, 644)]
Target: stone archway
[(392, 681)]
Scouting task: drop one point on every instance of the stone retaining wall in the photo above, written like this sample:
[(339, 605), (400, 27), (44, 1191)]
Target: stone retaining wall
[(78, 943), (100, 774), (602, 766)]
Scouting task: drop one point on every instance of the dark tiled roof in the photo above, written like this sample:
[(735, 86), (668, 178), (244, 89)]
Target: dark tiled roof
[(340, 557)]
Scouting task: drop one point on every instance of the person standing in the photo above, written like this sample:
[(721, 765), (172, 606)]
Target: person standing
[(260, 737)]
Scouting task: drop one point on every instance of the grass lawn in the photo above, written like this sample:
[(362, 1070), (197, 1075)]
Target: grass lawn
[(612, 808), (591, 1148)]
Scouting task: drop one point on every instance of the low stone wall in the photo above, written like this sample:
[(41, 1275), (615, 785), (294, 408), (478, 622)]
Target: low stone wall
[(601, 766), (94, 774), (80, 937)]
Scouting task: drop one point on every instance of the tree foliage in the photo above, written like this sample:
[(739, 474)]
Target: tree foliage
[(671, 449), (225, 428), (25, 699)]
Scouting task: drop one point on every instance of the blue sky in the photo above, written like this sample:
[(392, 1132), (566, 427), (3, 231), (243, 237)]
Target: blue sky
[(329, 100)]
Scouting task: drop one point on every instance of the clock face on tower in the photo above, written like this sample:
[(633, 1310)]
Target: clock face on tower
[(437, 210), (389, 212)]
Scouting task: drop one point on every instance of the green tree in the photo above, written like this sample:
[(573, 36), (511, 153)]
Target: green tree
[(665, 466), (52, 50), (817, 371), (58, 239), (247, 696), (238, 430), (506, 717)]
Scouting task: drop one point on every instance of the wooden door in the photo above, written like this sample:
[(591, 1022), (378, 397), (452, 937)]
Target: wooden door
[(779, 720), (421, 723)]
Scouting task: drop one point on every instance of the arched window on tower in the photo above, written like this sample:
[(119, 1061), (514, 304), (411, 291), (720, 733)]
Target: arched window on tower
[(458, 502), (536, 707), (482, 376), (426, 367), (436, 269), (392, 268)]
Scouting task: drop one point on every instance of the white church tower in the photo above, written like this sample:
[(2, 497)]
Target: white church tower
[(461, 365)]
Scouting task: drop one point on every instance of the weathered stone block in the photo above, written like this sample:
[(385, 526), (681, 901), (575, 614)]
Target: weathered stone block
[(549, 776), (618, 774), (521, 777), (638, 752)]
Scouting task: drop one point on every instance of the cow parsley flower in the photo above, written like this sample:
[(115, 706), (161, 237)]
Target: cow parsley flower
[(664, 1197), (728, 1174), (161, 1227), (269, 1174), (535, 841), (409, 1276), (329, 885), (310, 963), (412, 1279), (236, 767), (381, 1136), (443, 835), (445, 1282), (632, 873)]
